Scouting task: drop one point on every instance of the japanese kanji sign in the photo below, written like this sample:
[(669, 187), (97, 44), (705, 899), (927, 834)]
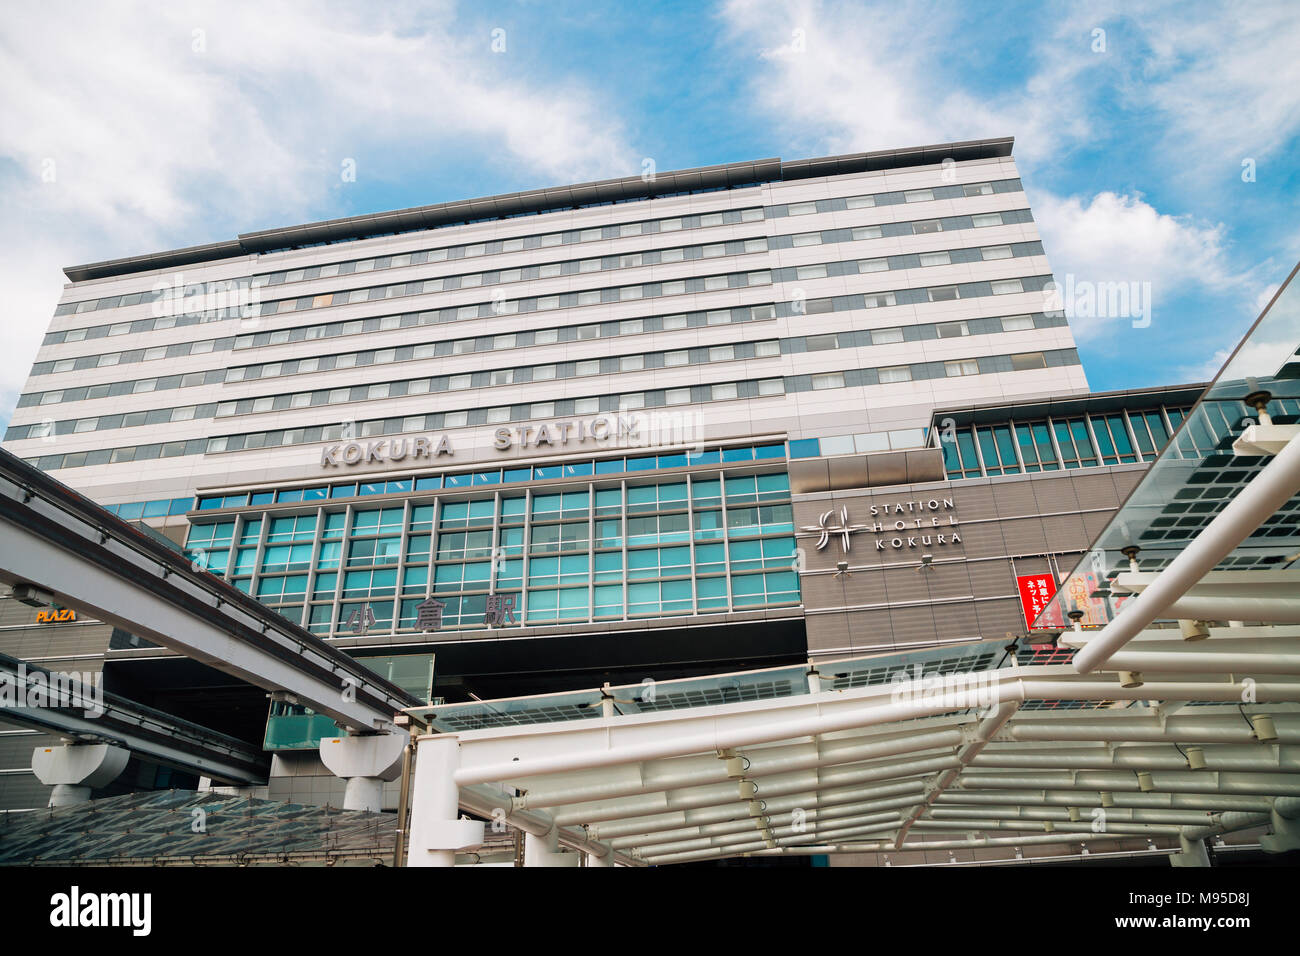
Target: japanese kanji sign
[(1036, 592), (500, 609)]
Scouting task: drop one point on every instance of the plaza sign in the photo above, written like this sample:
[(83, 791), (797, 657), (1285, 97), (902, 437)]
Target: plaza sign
[(58, 615)]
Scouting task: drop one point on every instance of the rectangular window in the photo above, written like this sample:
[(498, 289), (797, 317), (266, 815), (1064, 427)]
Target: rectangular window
[(724, 392), (1028, 360), (961, 367), (896, 373)]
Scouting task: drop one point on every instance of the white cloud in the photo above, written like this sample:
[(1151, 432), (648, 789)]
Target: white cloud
[(1225, 80), (1216, 84), (156, 144), (851, 77), (1122, 238)]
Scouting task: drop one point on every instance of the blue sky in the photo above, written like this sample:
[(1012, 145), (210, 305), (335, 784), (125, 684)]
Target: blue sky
[(131, 128)]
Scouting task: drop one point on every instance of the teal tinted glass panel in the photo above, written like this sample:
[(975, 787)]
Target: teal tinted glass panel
[(710, 457)]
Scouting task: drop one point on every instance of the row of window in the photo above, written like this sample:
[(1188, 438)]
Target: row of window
[(897, 439), (570, 267), (437, 421), (459, 480), (508, 376), (160, 508), (1053, 444), (517, 244), (717, 535), (514, 340), (813, 271), (545, 270), (303, 333), (612, 365), (632, 401), (501, 305)]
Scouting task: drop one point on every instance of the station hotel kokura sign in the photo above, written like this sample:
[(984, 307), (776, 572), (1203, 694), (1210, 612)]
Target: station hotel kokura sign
[(898, 525)]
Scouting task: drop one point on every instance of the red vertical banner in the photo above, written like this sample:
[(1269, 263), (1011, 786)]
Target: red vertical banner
[(1036, 591)]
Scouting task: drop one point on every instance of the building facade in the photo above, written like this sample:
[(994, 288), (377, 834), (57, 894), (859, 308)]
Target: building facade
[(616, 430)]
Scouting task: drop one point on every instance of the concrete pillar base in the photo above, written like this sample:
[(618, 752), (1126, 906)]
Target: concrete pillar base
[(436, 833), (1285, 835), (66, 794), (364, 793), (74, 770), (365, 762), (546, 851), (1191, 853)]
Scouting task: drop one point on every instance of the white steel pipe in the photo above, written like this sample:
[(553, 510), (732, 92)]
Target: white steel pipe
[(486, 803), (1196, 730), (879, 846), (1204, 662), (1255, 759), (809, 819), (1116, 781), (879, 797), (1084, 800), (1140, 829), (1272, 610), (1013, 689), (1268, 491), (1225, 823), (989, 726), (728, 793), (1058, 814), (681, 772), (807, 832)]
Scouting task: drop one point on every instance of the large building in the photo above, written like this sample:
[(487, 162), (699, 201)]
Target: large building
[(719, 419)]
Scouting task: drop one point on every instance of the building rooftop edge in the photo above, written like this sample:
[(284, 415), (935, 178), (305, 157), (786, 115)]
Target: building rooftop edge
[(535, 201)]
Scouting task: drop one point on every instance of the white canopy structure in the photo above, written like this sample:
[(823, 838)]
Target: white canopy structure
[(938, 750), (1176, 721)]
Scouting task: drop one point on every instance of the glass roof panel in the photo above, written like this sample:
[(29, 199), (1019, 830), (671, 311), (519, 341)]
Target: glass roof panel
[(1197, 474)]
